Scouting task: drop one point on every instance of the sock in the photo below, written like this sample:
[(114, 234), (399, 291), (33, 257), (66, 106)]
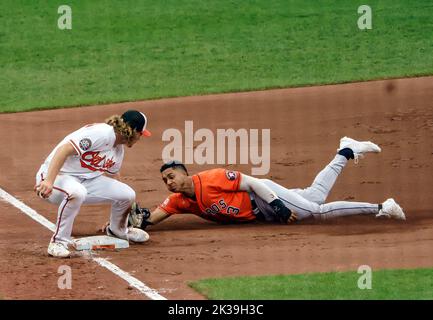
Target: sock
[(347, 152)]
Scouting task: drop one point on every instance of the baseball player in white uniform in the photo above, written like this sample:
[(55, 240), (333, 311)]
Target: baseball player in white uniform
[(78, 170)]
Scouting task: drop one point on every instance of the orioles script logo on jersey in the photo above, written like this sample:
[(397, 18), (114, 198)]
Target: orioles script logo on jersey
[(93, 161)]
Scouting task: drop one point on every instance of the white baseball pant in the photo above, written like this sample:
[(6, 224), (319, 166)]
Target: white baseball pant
[(310, 202), (71, 192)]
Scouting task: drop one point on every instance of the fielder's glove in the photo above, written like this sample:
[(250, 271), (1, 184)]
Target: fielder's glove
[(138, 216), (283, 213)]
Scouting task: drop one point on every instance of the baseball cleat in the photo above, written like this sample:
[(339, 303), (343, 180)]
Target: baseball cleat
[(391, 209), (358, 147), (58, 250), (133, 235), (137, 235)]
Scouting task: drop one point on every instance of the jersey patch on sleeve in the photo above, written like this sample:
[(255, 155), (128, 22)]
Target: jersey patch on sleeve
[(85, 144), (231, 175)]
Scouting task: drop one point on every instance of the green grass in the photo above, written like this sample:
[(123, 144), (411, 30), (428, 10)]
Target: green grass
[(130, 50), (386, 284)]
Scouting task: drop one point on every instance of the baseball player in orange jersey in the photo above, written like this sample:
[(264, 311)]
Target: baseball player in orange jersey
[(229, 196), (74, 174)]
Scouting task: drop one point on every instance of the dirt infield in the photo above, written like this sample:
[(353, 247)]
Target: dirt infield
[(306, 125)]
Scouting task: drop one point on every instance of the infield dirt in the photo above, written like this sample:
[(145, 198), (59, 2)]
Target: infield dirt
[(306, 125)]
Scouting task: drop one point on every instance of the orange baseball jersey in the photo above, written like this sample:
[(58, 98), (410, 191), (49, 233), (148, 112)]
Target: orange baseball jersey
[(217, 198)]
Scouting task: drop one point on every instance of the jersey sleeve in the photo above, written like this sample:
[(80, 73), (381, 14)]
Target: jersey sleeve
[(226, 180), (91, 138), (172, 204)]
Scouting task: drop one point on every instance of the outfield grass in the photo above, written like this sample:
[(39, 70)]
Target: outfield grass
[(130, 50), (386, 284)]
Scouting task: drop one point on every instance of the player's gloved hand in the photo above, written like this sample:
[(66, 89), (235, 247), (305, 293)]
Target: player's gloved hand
[(138, 216), (293, 218), (281, 210)]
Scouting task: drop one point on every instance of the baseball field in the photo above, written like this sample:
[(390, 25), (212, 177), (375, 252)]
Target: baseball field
[(303, 70)]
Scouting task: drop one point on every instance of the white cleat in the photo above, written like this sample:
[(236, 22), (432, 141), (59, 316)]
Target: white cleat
[(58, 250), (133, 235), (137, 235), (391, 209), (358, 147)]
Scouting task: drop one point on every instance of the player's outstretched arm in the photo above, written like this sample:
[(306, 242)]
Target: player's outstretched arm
[(157, 216), (139, 217), (251, 184)]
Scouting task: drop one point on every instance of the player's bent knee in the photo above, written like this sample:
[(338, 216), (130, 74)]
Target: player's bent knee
[(131, 196), (128, 194), (78, 194), (320, 214), (317, 209)]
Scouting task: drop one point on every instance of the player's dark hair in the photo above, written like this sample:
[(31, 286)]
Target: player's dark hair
[(175, 164)]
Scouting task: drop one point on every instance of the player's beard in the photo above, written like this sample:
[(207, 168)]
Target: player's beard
[(172, 188)]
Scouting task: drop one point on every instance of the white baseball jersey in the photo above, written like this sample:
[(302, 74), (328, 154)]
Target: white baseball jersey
[(96, 152)]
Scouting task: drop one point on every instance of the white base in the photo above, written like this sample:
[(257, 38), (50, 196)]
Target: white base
[(99, 243)]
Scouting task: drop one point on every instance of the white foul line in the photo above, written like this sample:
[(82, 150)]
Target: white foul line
[(27, 210), (140, 286), (134, 282)]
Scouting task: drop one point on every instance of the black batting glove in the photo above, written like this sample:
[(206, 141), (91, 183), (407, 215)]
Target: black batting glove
[(283, 213)]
